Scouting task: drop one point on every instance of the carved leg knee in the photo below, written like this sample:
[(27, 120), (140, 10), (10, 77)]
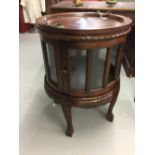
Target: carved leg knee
[(110, 116), (68, 117)]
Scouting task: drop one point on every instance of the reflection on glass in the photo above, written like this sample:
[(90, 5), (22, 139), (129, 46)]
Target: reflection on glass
[(77, 68), (99, 57), (78, 60), (51, 62)]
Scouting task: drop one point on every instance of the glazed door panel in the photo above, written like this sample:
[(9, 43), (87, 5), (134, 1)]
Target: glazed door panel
[(77, 68), (98, 67), (51, 62)]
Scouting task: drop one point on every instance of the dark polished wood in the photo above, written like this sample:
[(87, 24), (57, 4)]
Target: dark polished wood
[(110, 115), (118, 61), (48, 3), (65, 31), (92, 5), (107, 66), (67, 113), (129, 55), (89, 70), (121, 8)]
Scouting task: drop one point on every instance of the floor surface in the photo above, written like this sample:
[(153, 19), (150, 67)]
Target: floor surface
[(42, 125)]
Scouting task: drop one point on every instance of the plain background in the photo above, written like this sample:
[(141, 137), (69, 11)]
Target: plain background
[(145, 75)]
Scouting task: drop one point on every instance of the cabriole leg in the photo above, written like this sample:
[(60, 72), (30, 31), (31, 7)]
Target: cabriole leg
[(110, 115), (68, 117)]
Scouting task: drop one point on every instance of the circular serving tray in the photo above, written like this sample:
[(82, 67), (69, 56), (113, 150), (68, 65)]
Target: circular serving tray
[(73, 24), (83, 21)]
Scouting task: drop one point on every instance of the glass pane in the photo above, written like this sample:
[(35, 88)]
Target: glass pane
[(51, 62), (99, 57), (77, 68), (114, 53)]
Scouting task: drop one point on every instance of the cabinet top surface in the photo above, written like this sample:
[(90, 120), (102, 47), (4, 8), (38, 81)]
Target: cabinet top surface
[(84, 21), (94, 5)]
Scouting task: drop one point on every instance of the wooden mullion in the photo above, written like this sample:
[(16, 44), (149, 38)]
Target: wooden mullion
[(89, 62), (64, 68), (119, 58), (107, 66)]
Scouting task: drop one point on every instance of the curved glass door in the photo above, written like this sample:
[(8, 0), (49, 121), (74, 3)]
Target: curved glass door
[(91, 69)]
